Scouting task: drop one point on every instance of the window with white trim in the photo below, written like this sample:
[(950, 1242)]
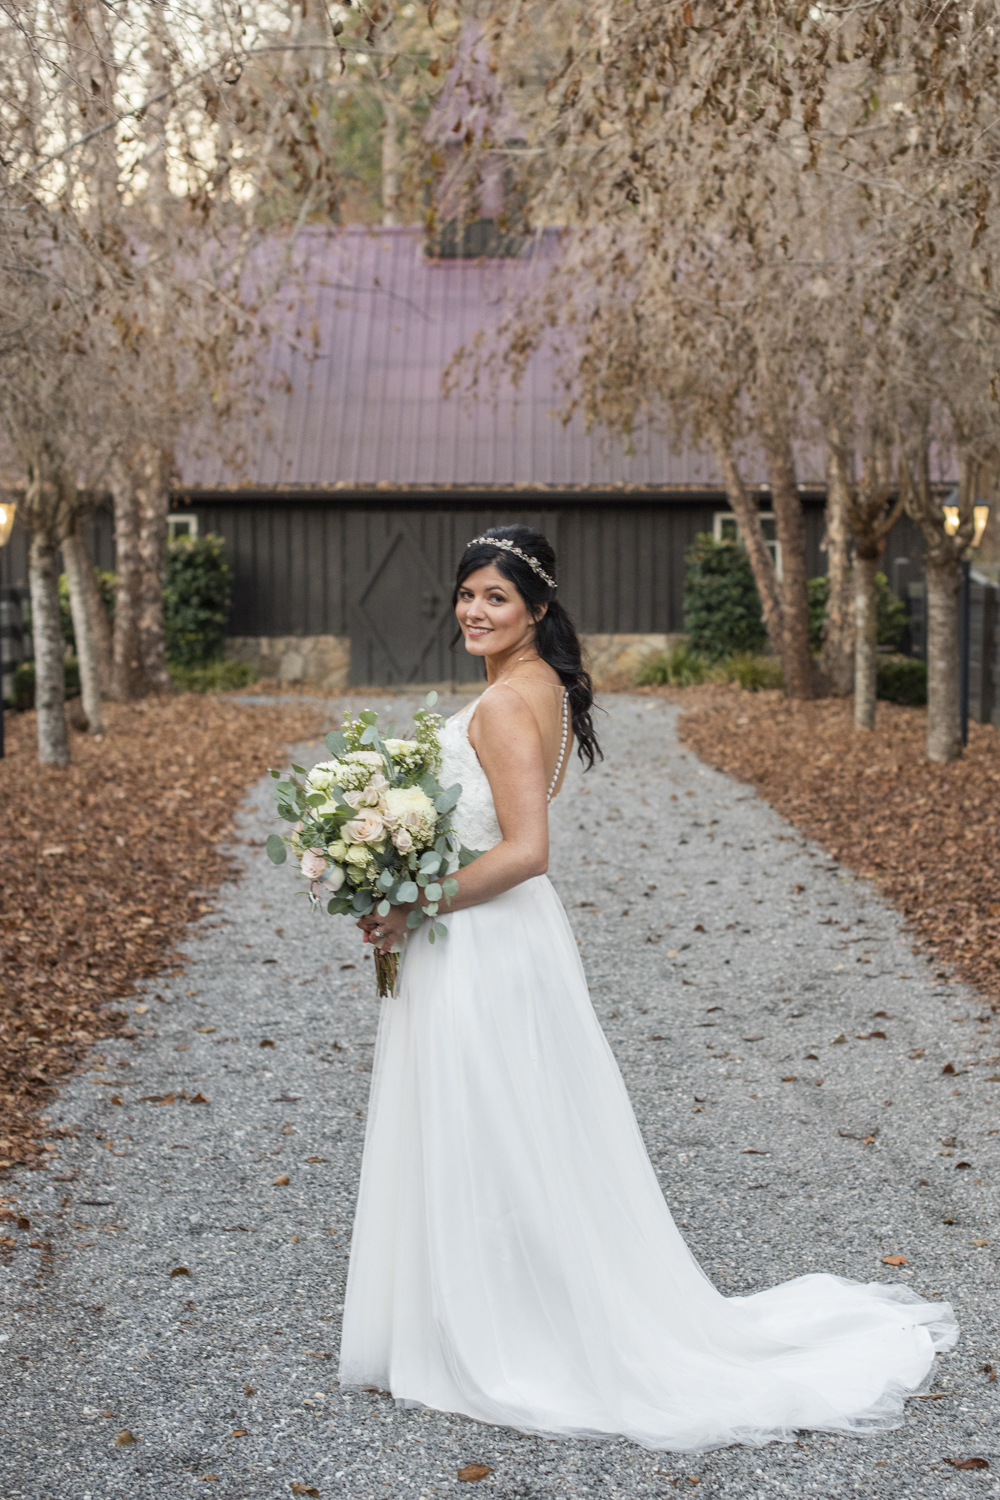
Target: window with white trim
[(725, 529), (181, 525)]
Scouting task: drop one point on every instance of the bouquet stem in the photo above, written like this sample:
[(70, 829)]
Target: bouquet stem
[(386, 972)]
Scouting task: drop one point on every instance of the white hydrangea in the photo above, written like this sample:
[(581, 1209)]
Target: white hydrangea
[(411, 809)]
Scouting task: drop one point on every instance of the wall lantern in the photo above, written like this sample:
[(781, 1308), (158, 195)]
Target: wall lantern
[(6, 522), (980, 514)]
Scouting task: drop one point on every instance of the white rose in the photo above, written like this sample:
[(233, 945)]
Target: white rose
[(366, 757), (357, 855), (404, 748), (337, 850), (324, 775), (335, 879)]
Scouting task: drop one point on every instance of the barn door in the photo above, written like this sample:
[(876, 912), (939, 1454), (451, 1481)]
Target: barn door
[(400, 613), (400, 619)]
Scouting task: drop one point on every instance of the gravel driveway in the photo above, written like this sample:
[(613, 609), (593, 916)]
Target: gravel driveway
[(183, 1273)]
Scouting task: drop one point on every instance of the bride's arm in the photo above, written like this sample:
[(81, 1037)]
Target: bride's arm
[(509, 747)]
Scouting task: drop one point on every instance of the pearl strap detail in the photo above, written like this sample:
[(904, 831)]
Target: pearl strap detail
[(562, 745)]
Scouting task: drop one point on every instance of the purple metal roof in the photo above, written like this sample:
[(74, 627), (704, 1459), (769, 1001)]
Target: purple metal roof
[(369, 409)]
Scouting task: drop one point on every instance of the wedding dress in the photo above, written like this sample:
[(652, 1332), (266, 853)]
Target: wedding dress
[(513, 1258)]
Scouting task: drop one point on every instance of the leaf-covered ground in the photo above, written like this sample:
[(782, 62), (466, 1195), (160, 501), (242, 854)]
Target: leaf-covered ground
[(100, 867), (927, 835)]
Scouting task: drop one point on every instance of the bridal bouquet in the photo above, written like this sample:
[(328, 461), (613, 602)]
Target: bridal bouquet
[(372, 826)]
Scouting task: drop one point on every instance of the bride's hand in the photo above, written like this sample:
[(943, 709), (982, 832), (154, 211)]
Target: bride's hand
[(384, 932)]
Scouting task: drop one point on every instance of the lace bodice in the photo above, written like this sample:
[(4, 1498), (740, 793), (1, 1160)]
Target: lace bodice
[(475, 818)]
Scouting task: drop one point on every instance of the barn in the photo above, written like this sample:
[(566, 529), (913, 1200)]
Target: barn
[(347, 501)]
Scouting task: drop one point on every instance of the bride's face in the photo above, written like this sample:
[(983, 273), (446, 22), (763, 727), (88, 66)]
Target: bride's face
[(491, 614)]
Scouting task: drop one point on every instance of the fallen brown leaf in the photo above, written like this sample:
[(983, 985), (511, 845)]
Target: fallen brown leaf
[(208, 1478), (303, 1489), (472, 1472), (791, 1078), (85, 948), (282, 1181), (124, 1439), (990, 1373), (752, 1151), (239, 1432), (894, 1260), (199, 1099), (968, 1463), (266, 1042), (180, 1271), (249, 1390), (948, 1068)]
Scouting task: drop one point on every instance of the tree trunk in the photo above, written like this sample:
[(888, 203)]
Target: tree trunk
[(50, 691), (944, 732), (837, 655), (866, 641), (129, 677), (100, 623), (796, 655), (77, 563), (745, 509), (390, 160), (154, 502)]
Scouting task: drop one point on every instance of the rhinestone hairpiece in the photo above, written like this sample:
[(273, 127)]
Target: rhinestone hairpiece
[(508, 546)]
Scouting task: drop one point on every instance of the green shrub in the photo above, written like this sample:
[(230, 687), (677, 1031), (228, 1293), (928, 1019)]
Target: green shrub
[(902, 679), (722, 613), (680, 667), (753, 672), (819, 593), (683, 667), (891, 612), (24, 683), (213, 676), (196, 598)]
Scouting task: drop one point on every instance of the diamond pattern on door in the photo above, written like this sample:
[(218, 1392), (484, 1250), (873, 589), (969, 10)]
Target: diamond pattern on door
[(398, 615)]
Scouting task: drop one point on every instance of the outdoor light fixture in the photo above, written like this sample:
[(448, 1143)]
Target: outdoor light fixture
[(981, 514), (6, 522)]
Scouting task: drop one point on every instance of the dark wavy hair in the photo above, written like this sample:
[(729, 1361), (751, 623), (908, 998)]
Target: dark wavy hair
[(556, 640)]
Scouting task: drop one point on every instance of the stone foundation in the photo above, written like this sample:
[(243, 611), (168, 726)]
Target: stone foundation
[(324, 661), (613, 660), (320, 660)]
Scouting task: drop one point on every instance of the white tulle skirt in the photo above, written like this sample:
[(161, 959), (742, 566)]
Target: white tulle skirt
[(514, 1260)]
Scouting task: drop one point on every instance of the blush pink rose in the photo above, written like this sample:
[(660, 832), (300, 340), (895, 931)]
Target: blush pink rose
[(402, 840), (367, 829), (313, 864)]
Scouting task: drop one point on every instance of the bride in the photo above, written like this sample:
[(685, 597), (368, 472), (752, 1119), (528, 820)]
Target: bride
[(513, 1258)]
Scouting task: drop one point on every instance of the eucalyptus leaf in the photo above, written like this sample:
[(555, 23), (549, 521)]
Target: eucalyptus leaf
[(384, 881), (368, 717), (448, 799), (429, 860), (287, 788), (440, 929), (336, 743), (431, 909), (290, 814), (450, 887), (466, 856), (276, 851), (315, 799), (369, 736), (301, 770), (362, 903), (276, 775), (414, 920), (433, 892), (432, 698), (384, 908), (430, 936), (407, 892), (422, 879)]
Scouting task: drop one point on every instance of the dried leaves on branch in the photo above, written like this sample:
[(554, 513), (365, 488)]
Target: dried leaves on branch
[(101, 865), (928, 835)]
